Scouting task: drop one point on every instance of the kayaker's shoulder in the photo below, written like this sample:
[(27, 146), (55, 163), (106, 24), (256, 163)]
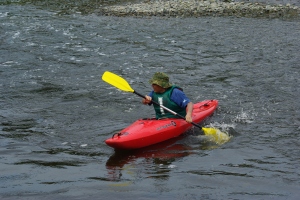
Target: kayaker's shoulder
[(176, 88)]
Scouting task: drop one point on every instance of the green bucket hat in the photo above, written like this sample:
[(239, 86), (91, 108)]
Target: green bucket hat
[(161, 79)]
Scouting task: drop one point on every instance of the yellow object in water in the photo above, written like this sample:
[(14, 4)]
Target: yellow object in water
[(216, 135)]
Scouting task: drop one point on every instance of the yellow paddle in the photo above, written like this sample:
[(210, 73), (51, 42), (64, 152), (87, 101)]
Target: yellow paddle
[(120, 83)]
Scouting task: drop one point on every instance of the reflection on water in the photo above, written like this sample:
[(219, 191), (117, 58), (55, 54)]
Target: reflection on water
[(159, 156)]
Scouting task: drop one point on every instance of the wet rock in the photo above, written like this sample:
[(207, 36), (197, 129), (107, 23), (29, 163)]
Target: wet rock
[(198, 8)]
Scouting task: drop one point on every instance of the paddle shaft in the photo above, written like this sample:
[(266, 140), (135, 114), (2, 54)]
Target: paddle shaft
[(167, 109)]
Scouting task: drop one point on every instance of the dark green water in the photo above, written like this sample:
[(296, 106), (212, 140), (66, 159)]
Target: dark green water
[(56, 112)]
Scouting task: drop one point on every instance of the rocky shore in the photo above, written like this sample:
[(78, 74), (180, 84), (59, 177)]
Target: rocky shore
[(198, 8)]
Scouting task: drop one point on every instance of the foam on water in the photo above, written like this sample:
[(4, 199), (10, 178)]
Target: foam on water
[(245, 117)]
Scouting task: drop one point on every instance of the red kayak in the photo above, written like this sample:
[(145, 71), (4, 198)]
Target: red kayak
[(146, 132)]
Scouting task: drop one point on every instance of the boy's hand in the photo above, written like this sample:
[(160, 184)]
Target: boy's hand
[(147, 100)]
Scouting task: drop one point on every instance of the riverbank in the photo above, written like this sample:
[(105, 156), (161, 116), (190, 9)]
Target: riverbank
[(198, 8)]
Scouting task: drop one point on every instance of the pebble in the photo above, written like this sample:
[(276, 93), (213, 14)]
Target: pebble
[(198, 8)]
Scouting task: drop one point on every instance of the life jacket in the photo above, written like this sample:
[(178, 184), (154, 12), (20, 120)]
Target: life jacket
[(165, 100)]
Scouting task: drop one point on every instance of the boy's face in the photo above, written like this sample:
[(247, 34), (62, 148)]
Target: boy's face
[(158, 89)]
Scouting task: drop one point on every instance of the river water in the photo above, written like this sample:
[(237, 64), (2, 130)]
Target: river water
[(56, 112)]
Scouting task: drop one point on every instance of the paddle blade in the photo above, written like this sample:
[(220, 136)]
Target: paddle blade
[(116, 81), (216, 135)]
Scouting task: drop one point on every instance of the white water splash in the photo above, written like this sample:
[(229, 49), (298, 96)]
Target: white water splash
[(245, 117), (172, 166), (162, 166), (222, 126), (219, 134)]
